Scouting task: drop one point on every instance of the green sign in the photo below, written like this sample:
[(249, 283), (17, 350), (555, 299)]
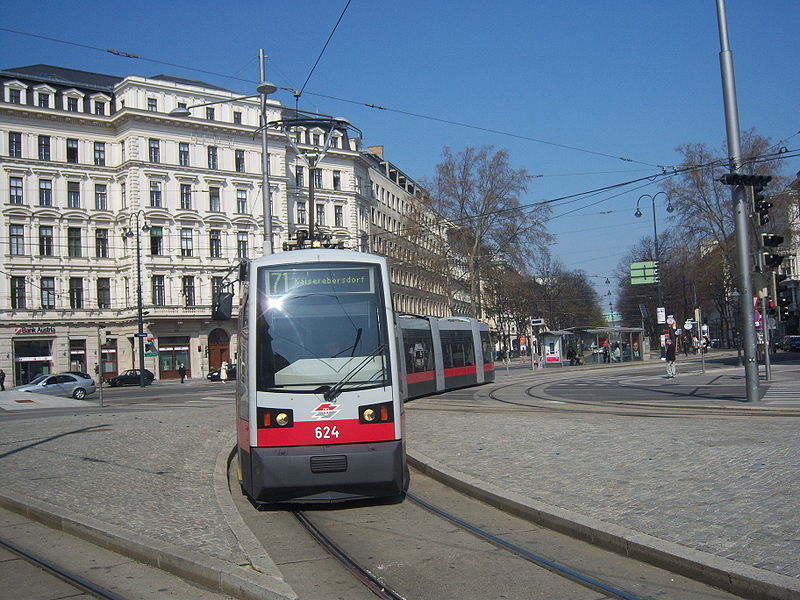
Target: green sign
[(644, 272), (326, 281)]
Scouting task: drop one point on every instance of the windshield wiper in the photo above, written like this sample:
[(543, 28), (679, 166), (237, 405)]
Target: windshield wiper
[(331, 393)]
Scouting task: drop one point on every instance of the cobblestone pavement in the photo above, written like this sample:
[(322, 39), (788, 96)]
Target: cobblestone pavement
[(725, 485)]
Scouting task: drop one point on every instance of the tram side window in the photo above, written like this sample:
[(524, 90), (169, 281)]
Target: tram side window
[(487, 347), (417, 346), (457, 349)]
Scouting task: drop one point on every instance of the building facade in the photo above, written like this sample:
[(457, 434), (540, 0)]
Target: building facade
[(109, 197)]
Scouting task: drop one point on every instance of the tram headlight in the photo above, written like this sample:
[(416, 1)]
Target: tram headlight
[(376, 413), (282, 419), (275, 417)]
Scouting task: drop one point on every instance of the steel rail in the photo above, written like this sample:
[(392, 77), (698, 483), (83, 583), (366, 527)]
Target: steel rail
[(371, 581), (72, 579)]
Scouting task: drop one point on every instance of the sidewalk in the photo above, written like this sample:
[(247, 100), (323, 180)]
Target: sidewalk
[(714, 493)]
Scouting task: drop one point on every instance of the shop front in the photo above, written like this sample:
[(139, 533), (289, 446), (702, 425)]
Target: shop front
[(172, 353), (32, 356)]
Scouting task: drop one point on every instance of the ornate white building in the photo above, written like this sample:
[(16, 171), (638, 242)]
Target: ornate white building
[(92, 165)]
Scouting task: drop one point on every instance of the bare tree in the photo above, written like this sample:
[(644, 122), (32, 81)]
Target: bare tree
[(479, 192)]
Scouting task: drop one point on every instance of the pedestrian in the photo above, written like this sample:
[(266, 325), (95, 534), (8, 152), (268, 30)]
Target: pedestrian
[(223, 372), (670, 356), (687, 343), (182, 372), (571, 355), (2, 380)]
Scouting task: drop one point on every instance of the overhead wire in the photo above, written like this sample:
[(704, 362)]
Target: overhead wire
[(328, 41)]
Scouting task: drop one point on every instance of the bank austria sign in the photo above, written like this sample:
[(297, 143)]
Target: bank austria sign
[(34, 330)]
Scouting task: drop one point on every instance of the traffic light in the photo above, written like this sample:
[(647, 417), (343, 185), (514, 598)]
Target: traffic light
[(761, 206), (770, 240), (771, 309), (747, 180), (772, 261), (784, 302)]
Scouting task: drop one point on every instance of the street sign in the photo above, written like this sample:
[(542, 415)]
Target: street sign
[(644, 272), (141, 335), (661, 314)]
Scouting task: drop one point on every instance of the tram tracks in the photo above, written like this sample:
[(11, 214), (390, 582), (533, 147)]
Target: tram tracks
[(420, 550)]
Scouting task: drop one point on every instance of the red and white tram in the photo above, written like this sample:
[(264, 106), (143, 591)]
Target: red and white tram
[(320, 412), (442, 354)]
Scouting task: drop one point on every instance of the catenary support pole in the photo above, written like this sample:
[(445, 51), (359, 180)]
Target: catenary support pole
[(746, 316), (265, 191)]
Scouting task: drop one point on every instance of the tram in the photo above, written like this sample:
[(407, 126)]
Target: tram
[(441, 354), (319, 399)]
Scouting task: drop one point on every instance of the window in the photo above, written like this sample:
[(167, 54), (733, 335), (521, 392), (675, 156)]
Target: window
[(75, 292), (215, 242), (338, 215), (337, 180), (45, 192), (237, 117), (158, 290), (14, 144), (17, 292), (45, 240), (301, 213), (212, 157), (188, 289), (317, 178), (14, 96), (74, 241), (44, 100), (241, 244), (298, 176), (100, 196), (44, 147), (72, 151), (213, 199), (155, 194), (101, 243), (152, 104), (209, 113), (154, 147), (73, 194), (320, 219), (72, 104), (239, 155), (315, 139), (186, 196), (334, 142), (15, 190), (183, 154), (16, 239), (100, 109), (48, 287), (156, 241), (241, 202), (123, 194), (186, 242), (100, 154), (103, 292)]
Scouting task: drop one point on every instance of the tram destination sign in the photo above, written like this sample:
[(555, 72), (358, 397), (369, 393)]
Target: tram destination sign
[(344, 280)]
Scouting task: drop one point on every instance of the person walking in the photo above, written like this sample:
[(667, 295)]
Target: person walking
[(223, 372), (182, 372), (670, 356), (2, 380)]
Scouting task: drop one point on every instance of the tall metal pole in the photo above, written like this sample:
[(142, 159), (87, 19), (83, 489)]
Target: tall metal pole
[(746, 316), (139, 300), (263, 89), (658, 256)]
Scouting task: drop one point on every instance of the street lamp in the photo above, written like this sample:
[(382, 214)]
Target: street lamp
[(638, 213), (312, 158), (129, 233), (264, 89)]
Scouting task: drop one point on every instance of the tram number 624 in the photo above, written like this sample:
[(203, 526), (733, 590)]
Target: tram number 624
[(326, 433)]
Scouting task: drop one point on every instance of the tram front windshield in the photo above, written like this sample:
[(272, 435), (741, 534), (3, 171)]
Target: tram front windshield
[(321, 328)]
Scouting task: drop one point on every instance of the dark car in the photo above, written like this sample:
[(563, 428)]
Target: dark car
[(214, 375), (794, 345), (130, 377)]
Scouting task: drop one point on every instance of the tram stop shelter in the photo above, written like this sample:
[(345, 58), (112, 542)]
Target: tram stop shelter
[(609, 344), (553, 347)]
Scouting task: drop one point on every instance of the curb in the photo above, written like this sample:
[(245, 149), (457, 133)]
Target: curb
[(258, 581), (734, 577)]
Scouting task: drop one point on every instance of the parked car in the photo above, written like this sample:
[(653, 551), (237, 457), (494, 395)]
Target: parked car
[(214, 375), (786, 342), (60, 384), (794, 344), (130, 377)]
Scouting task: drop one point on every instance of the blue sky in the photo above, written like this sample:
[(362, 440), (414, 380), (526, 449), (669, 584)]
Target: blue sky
[(597, 79)]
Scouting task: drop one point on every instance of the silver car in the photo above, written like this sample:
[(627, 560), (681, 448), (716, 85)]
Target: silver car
[(60, 384)]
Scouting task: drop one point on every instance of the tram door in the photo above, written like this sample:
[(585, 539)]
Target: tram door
[(219, 349)]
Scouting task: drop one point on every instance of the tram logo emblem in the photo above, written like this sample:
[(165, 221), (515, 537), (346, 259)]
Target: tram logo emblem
[(326, 410)]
